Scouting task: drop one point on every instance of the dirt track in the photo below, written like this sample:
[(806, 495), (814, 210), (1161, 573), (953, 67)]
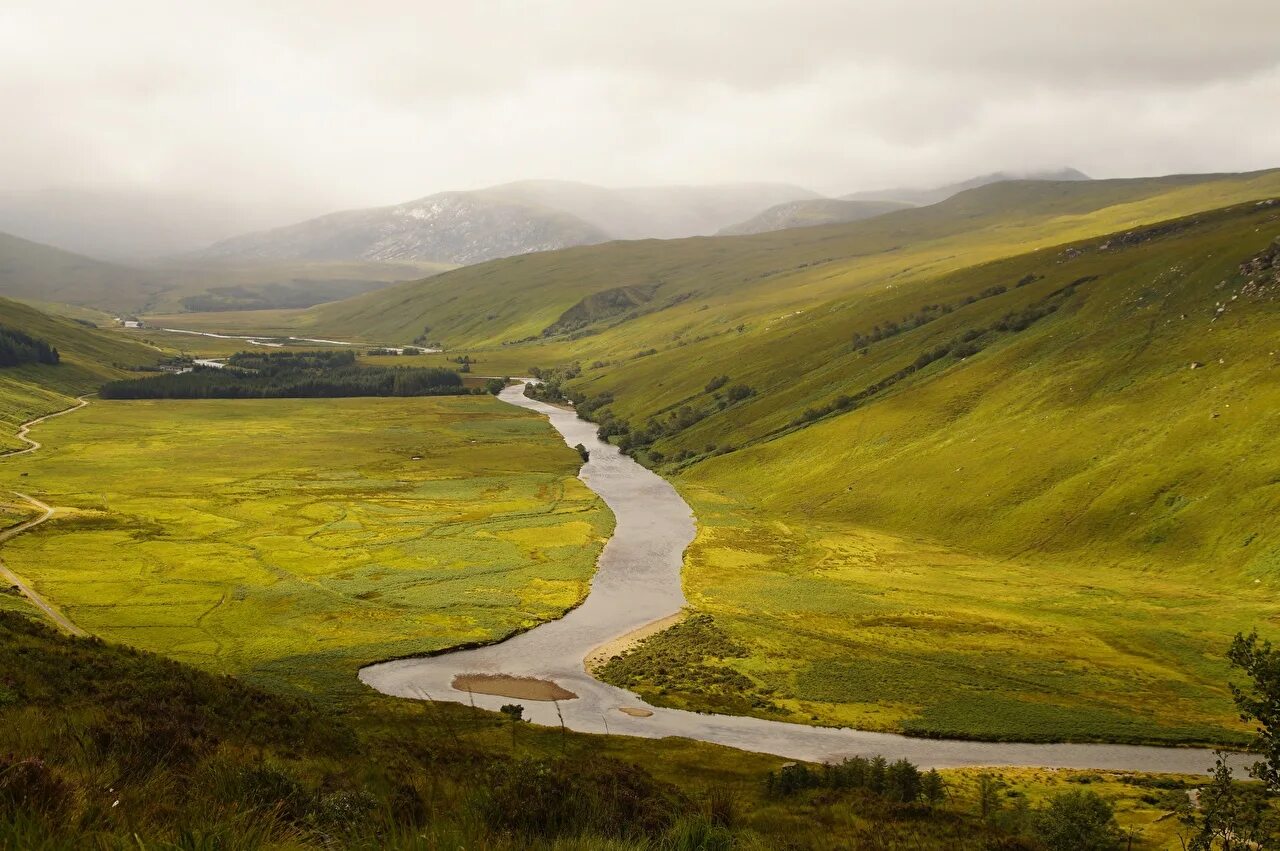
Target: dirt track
[(46, 512)]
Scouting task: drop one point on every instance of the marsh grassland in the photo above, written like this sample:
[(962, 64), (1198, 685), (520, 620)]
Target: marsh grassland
[(291, 541), (839, 625)]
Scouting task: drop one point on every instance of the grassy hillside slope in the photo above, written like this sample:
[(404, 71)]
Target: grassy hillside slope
[(151, 754), (30, 270), (1051, 537), (710, 285), (88, 358)]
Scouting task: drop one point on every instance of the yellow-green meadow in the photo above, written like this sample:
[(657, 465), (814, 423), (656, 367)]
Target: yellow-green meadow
[(295, 540)]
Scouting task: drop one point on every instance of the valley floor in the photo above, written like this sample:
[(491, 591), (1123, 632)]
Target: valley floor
[(311, 557), (293, 540)]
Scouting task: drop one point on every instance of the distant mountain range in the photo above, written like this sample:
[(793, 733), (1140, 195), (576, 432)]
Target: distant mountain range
[(41, 273), (516, 218), (463, 228), (346, 253), (655, 212)]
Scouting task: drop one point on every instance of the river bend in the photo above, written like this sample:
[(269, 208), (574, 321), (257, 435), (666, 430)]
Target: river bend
[(637, 581)]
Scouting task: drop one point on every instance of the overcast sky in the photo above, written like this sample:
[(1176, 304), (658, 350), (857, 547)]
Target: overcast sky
[(263, 112)]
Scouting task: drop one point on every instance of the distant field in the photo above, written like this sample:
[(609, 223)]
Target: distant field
[(270, 322), (496, 364), (188, 344), (294, 540)]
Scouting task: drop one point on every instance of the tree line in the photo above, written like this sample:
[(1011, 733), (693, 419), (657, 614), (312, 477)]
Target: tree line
[(251, 375), (17, 348), (923, 316), (962, 346)]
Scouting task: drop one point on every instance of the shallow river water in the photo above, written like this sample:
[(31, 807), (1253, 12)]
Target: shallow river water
[(637, 582)]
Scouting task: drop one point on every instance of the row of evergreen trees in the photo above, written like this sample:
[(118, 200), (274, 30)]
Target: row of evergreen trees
[(899, 781), (17, 348), (291, 375)]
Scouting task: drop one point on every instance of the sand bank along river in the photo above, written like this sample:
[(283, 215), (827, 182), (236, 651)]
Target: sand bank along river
[(638, 582)]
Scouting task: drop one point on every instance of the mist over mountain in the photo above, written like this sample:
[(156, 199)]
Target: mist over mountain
[(654, 212), (935, 194), (812, 212), (126, 225), (37, 272), (450, 227), (543, 215), (502, 221)]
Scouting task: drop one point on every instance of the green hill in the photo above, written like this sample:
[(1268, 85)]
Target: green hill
[(88, 357), (707, 285), (1041, 513)]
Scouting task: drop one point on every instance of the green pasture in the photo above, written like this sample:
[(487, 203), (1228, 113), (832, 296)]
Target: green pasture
[(192, 345), (294, 540), (846, 626)]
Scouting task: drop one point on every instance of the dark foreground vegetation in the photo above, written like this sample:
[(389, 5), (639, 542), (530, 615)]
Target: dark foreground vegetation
[(251, 375), (17, 348), (103, 747)]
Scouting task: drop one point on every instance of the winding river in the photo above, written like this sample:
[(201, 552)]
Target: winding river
[(636, 583)]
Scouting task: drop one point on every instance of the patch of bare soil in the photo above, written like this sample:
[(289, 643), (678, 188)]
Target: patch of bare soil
[(521, 688)]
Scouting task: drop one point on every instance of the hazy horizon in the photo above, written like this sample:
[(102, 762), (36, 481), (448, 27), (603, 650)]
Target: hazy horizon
[(143, 128)]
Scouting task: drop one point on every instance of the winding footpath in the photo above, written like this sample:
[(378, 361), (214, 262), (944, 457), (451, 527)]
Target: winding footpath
[(637, 582), (25, 429), (46, 512)]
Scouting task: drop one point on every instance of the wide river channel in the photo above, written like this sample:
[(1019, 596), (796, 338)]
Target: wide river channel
[(636, 583)]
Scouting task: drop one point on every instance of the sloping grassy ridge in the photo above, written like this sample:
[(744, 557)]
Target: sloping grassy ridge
[(1050, 537), (89, 357), (714, 284)]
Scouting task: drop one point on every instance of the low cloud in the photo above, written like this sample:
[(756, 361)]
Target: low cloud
[(267, 114)]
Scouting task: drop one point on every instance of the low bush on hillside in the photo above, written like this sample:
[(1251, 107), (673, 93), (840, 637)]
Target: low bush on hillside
[(923, 316), (900, 781), (965, 345), (679, 667)]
